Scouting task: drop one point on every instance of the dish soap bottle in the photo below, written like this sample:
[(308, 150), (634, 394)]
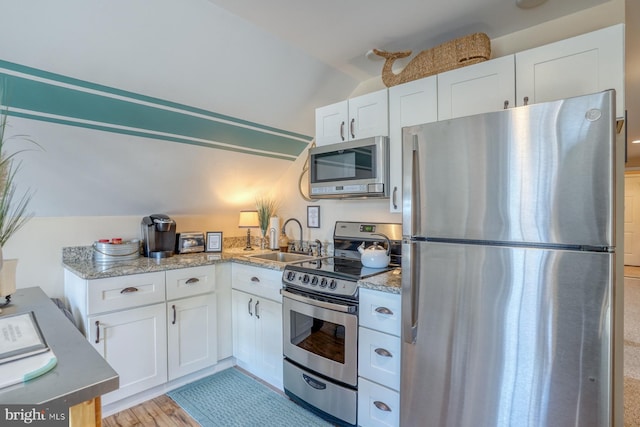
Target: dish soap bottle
[(283, 242)]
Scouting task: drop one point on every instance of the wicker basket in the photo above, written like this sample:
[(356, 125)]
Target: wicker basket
[(456, 53)]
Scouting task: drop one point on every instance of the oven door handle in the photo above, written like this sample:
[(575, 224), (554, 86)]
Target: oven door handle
[(323, 304)]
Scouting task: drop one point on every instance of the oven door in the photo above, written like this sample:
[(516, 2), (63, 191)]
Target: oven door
[(321, 336)]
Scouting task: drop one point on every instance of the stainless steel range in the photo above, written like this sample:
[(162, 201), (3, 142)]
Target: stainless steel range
[(320, 307)]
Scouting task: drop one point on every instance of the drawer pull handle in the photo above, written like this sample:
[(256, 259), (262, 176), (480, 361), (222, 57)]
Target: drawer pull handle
[(255, 279), (249, 306), (506, 104), (352, 128), (314, 383), (129, 290), (257, 315), (97, 332), (173, 322), (384, 310), (526, 100), (192, 281), (382, 352), (342, 130), (382, 406)]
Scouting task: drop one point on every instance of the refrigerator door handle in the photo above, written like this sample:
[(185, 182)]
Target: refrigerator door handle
[(410, 293), (415, 187)]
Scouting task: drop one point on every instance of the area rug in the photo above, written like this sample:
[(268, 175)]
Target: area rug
[(231, 398)]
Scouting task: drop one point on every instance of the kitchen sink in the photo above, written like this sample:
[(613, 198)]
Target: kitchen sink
[(281, 257)]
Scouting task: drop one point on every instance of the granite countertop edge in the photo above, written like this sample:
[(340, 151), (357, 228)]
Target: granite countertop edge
[(88, 269)]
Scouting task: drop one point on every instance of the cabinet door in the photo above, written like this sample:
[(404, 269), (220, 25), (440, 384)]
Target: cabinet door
[(585, 64), (243, 326), (476, 89), (332, 123), (368, 115), (191, 334), (269, 340), (223, 310), (134, 343), (410, 104)]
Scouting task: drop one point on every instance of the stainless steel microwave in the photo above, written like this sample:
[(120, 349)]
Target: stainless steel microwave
[(351, 169)]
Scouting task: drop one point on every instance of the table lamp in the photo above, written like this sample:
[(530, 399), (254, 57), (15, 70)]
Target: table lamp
[(248, 220)]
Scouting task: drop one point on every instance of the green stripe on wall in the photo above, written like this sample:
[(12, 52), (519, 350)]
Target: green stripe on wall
[(104, 112)]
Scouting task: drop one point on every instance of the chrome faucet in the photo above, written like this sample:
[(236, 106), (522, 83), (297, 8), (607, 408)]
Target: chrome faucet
[(299, 225), (319, 243)]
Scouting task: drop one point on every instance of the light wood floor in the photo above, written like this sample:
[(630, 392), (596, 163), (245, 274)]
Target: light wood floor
[(161, 412)]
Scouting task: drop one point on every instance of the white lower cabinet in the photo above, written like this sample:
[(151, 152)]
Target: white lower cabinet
[(257, 335), (151, 327), (257, 321), (134, 343), (379, 359), (191, 335)]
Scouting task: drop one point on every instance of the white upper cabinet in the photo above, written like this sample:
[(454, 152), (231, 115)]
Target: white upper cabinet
[(479, 88), (356, 118), (585, 64), (411, 103)]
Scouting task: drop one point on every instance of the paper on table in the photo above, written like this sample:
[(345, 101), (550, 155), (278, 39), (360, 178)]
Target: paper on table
[(20, 337)]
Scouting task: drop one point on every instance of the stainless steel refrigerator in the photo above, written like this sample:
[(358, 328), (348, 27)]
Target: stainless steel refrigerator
[(508, 270)]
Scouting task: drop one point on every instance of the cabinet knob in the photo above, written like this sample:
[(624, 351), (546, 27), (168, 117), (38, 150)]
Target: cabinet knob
[(526, 100), (382, 406), (129, 289), (506, 104)]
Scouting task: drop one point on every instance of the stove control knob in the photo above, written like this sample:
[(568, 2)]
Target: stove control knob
[(333, 284), (323, 283), (305, 278), (291, 276), (314, 281)]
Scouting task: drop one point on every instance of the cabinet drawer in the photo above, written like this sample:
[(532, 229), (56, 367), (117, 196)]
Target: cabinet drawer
[(117, 293), (262, 282), (380, 311), (186, 282), (379, 357), (377, 406)]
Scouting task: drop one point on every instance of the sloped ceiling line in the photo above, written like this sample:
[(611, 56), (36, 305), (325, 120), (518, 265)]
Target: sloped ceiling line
[(40, 95)]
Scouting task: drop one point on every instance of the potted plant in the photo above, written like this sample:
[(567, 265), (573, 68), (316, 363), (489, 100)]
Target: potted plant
[(13, 208), (266, 208)]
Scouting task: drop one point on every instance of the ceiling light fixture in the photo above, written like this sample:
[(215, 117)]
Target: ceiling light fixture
[(636, 141), (529, 4)]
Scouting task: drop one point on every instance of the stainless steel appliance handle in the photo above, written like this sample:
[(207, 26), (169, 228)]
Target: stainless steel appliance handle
[(410, 294), (415, 187), (323, 304)]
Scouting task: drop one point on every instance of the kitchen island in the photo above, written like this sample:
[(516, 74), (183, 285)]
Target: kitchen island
[(81, 375)]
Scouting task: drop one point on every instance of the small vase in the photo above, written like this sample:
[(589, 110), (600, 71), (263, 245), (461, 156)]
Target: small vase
[(263, 240)]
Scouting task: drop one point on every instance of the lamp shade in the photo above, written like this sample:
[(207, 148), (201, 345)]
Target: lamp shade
[(248, 219)]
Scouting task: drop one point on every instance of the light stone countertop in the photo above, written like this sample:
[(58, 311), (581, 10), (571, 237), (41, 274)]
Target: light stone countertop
[(79, 261)]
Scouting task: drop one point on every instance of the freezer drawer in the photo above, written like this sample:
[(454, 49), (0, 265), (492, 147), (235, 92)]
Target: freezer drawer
[(509, 336)]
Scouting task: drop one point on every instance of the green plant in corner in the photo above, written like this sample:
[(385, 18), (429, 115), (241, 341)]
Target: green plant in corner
[(13, 210), (266, 208)]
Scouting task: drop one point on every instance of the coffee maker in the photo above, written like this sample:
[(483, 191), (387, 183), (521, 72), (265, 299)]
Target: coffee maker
[(158, 235)]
